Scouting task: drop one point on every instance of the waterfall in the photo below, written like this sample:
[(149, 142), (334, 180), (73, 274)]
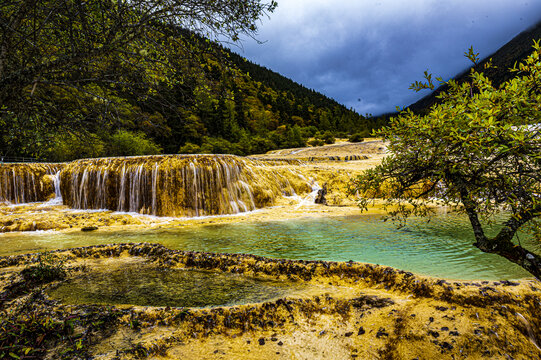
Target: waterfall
[(56, 198), (310, 198), (177, 185), (24, 183), (56, 183)]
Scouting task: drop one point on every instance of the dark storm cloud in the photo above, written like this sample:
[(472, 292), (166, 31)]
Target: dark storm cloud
[(365, 54)]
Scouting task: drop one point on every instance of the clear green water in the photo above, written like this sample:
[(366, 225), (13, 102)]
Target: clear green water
[(147, 286), (441, 248)]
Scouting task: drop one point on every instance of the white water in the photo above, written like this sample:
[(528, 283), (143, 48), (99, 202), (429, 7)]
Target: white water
[(311, 197)]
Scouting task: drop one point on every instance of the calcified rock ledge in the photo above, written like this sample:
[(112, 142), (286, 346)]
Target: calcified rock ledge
[(25, 183), (177, 185), (163, 185), (364, 311)]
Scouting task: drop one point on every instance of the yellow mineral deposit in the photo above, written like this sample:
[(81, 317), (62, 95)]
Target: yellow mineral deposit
[(177, 185), (344, 311), (280, 185), (362, 311), (24, 183)]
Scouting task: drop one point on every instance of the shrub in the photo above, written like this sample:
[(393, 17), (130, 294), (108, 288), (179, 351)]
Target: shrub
[(48, 269), (357, 137), (328, 137), (26, 335), (76, 146), (316, 142), (127, 143), (189, 148), (260, 145), (308, 131)]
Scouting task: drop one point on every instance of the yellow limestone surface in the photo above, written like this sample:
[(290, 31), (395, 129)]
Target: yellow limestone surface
[(177, 185), (24, 183), (360, 311)]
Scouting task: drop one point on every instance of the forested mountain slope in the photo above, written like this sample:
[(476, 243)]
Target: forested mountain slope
[(503, 59), (172, 92)]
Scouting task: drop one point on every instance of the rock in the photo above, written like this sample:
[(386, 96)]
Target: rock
[(349, 333), (381, 332), (320, 197), (89, 228), (361, 331), (509, 283), (433, 333), (371, 301), (445, 345), (261, 341)]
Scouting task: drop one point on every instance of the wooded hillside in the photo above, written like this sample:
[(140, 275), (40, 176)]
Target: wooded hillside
[(78, 81)]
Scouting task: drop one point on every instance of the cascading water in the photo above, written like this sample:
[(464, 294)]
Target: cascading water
[(56, 183), (311, 197), (177, 185), (24, 183)]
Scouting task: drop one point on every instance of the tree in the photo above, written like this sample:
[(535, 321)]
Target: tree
[(52, 47), (480, 149)]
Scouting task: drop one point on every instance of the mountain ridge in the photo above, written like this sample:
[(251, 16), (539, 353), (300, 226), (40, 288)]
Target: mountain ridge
[(503, 59)]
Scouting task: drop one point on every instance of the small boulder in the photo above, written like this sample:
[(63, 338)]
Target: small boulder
[(321, 194), (89, 228)]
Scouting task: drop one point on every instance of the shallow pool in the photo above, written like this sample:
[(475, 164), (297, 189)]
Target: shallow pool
[(442, 247), (150, 286)]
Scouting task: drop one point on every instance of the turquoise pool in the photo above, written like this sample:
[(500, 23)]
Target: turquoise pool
[(441, 247)]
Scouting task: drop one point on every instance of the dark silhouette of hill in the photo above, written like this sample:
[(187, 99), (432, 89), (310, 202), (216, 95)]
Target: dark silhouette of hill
[(503, 59)]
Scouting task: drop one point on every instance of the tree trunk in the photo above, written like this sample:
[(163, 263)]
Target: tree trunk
[(517, 254), (502, 244)]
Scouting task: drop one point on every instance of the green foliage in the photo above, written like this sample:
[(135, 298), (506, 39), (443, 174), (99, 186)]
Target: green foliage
[(316, 142), (23, 334), (189, 148), (165, 88), (126, 143), (357, 137), (260, 145), (294, 138), (48, 269), (30, 330), (327, 137), (75, 146), (308, 131), (478, 148), (84, 66), (218, 146)]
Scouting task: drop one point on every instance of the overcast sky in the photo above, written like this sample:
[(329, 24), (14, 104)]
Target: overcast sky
[(366, 53)]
